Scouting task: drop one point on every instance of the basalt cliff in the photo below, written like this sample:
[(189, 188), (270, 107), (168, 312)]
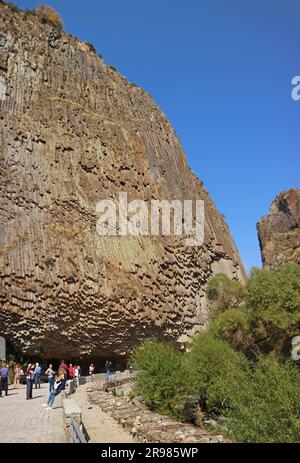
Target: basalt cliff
[(279, 231), (73, 131)]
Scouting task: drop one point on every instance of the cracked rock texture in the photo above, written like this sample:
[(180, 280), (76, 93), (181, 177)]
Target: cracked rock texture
[(279, 231), (73, 131)]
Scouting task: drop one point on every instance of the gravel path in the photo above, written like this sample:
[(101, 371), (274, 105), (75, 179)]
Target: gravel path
[(100, 426)]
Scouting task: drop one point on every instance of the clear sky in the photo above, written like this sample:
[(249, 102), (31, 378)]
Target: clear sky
[(221, 71)]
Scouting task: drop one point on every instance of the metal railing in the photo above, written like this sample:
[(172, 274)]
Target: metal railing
[(78, 434)]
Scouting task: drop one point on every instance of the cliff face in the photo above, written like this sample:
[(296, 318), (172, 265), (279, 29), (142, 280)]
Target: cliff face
[(279, 231), (73, 132)]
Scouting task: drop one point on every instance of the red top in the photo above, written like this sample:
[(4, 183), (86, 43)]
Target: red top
[(71, 372)]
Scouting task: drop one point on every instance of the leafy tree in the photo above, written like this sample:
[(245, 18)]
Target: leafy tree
[(233, 326), (265, 407), (214, 369), (224, 293), (161, 380), (273, 303)]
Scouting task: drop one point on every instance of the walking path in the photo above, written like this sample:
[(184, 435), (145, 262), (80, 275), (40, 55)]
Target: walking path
[(26, 421), (100, 426)]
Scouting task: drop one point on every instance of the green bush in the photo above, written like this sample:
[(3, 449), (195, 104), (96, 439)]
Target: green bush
[(161, 380), (265, 407), (273, 296), (214, 369), (233, 326), (273, 303), (224, 293)]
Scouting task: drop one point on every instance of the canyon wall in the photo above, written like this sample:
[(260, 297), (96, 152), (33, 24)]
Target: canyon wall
[(73, 131), (279, 231)]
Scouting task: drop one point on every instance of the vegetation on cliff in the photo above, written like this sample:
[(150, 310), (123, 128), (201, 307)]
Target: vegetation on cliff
[(239, 371), (45, 13)]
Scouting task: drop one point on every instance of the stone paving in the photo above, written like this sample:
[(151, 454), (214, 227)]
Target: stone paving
[(26, 421)]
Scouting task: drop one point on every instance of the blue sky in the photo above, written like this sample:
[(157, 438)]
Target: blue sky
[(221, 71)]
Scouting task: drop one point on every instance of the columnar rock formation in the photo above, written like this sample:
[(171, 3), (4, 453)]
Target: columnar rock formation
[(73, 131), (279, 231)]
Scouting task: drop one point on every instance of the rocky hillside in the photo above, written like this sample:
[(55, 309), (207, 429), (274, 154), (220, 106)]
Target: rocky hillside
[(279, 231), (73, 132)]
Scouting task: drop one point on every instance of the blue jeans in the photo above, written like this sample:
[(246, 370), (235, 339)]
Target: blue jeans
[(29, 383), (107, 375), (51, 399), (51, 381), (37, 381)]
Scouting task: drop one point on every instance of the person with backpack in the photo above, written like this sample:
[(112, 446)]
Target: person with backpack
[(58, 387), (29, 381), (37, 376)]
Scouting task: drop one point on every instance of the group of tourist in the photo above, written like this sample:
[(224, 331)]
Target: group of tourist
[(56, 380)]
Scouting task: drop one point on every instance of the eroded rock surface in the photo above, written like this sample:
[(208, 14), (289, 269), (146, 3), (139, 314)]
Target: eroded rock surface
[(73, 132), (279, 231)]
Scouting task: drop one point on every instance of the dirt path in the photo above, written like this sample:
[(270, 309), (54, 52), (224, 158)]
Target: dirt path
[(100, 426)]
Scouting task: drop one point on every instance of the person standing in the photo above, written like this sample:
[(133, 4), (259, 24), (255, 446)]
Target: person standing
[(17, 376), (37, 376), (108, 367), (63, 366), (29, 381), (76, 374), (4, 373), (71, 371), (91, 369), (51, 376)]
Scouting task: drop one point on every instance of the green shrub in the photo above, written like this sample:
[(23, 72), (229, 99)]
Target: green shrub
[(273, 303), (161, 380), (227, 323), (233, 326), (214, 369), (265, 407), (224, 293), (273, 296), (49, 15)]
